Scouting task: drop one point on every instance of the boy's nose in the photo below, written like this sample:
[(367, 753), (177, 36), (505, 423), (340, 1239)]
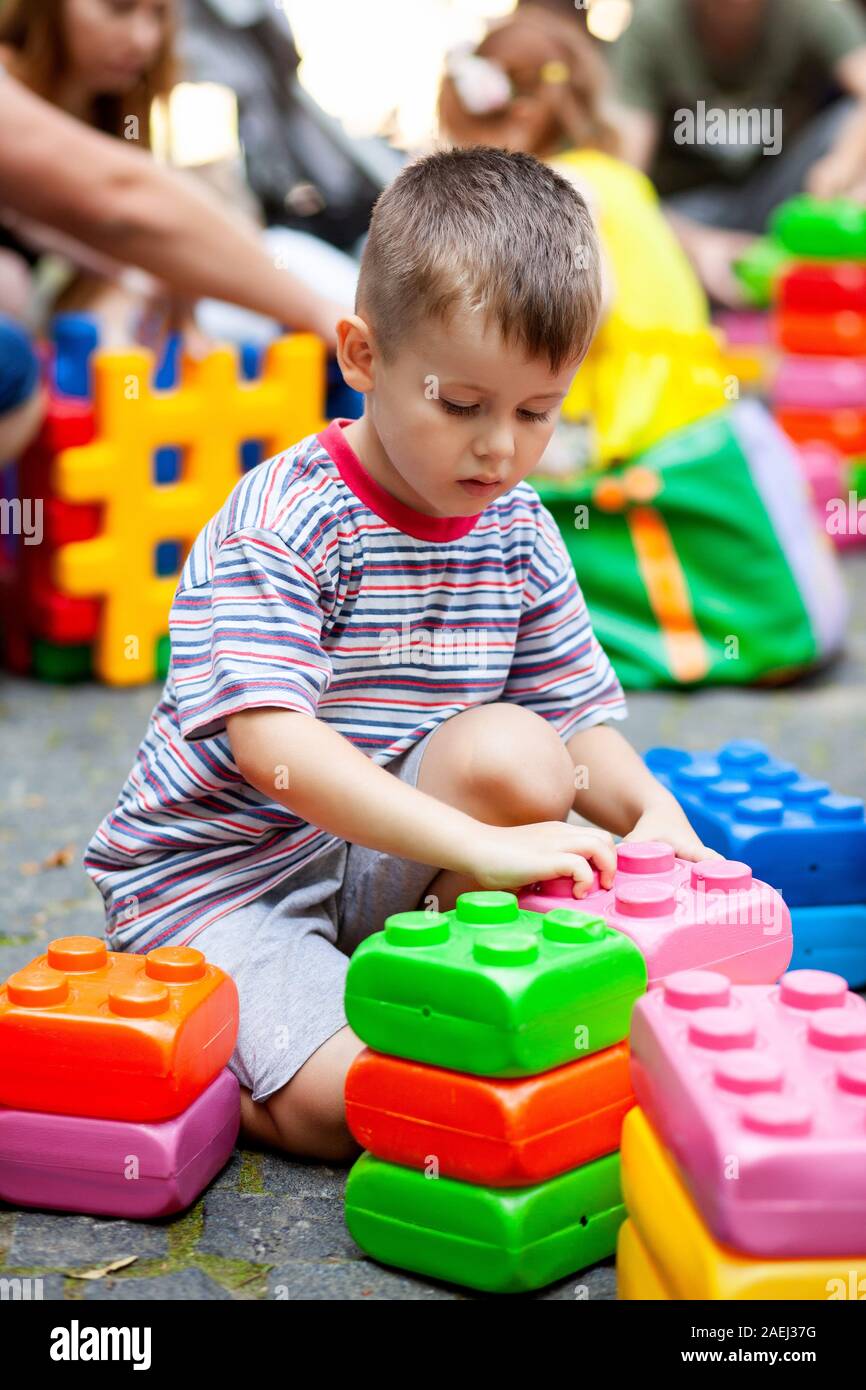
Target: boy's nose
[(496, 445)]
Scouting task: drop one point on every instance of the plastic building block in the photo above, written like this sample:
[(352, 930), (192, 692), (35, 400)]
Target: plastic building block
[(832, 229), (501, 1240), (792, 830), (70, 1163), (844, 429), (759, 268), (772, 1078), (823, 289), (497, 1133), (685, 916), (209, 416), (685, 1260), (491, 990), (820, 383), (76, 337), (837, 335), (831, 938), (86, 1031), (62, 664)]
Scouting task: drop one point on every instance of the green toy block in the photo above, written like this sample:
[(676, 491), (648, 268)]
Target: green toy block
[(758, 269), (493, 990), (500, 1240), (163, 657), (54, 662), (832, 229)]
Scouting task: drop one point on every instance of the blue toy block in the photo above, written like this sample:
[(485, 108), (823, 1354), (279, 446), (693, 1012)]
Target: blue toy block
[(76, 336), (793, 831), (831, 938)]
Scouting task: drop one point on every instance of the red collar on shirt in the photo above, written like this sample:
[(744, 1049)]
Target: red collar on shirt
[(374, 496)]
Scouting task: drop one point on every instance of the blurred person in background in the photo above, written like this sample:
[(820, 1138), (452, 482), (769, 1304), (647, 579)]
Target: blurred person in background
[(112, 198), (787, 61), (537, 84), (104, 63)]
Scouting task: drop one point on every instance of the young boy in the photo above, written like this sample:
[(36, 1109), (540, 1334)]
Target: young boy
[(383, 673)]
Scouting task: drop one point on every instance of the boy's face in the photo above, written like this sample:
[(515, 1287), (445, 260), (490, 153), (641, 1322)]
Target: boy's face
[(461, 415)]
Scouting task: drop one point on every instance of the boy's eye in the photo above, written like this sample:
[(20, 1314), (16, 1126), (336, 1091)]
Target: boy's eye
[(539, 415), (454, 409)]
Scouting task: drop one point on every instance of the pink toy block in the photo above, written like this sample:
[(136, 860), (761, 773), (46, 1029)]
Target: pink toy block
[(118, 1167), (827, 474), (682, 916), (760, 1094), (745, 327), (820, 383)]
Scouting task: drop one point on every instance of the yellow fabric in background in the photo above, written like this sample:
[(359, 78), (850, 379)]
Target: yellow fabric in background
[(655, 364)]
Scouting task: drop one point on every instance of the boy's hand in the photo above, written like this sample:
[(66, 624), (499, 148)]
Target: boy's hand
[(668, 822), (511, 856)]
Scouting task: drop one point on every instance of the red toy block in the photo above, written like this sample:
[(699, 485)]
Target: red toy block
[(497, 1133), (823, 289)]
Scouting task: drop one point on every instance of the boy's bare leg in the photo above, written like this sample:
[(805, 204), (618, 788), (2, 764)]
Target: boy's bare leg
[(501, 764)]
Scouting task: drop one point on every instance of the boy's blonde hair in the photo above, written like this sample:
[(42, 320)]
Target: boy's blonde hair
[(493, 232)]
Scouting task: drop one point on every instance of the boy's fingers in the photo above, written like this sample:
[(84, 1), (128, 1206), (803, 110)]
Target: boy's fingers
[(580, 870)]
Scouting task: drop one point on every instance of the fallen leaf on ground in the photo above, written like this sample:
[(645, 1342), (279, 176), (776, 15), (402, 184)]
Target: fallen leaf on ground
[(60, 858), (100, 1273)]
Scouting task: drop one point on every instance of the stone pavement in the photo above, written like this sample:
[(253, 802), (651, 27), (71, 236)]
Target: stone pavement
[(269, 1227)]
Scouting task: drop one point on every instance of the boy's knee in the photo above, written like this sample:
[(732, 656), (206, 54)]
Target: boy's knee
[(309, 1112), (520, 767), (311, 1126)]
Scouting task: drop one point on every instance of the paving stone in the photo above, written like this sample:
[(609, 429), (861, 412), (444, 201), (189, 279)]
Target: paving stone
[(267, 1229), (182, 1286), (55, 1241), (227, 1179), (30, 1287), (591, 1285), (315, 1182), (355, 1279)]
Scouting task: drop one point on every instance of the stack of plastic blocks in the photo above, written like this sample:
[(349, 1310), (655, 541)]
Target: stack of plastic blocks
[(133, 458), (115, 1098), (709, 916), (749, 352), (819, 395), (793, 831), (492, 1093), (743, 1163)]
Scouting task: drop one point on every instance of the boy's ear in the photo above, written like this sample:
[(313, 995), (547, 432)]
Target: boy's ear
[(355, 352)]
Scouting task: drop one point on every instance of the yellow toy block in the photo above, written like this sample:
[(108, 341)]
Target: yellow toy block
[(637, 1279), (208, 417), (675, 1257)]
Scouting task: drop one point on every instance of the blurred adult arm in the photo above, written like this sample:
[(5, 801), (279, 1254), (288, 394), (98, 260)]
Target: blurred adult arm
[(119, 201), (842, 171)]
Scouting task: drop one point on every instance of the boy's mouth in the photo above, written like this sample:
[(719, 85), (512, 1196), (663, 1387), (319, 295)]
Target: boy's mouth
[(477, 487)]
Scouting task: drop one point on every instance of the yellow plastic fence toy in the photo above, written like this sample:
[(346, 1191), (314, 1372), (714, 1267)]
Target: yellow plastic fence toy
[(207, 417)]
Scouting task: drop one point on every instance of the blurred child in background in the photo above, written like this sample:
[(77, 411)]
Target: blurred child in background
[(536, 84)]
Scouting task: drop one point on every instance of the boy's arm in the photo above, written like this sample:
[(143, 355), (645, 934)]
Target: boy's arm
[(312, 770), (621, 794), (308, 767)]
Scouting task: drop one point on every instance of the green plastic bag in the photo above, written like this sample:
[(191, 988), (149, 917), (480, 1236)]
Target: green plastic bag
[(700, 560)]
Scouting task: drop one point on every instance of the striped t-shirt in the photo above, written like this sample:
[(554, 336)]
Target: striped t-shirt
[(314, 590)]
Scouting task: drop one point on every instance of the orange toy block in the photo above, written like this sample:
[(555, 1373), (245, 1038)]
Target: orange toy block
[(840, 335), (208, 417), (86, 1031), (497, 1133), (843, 428)]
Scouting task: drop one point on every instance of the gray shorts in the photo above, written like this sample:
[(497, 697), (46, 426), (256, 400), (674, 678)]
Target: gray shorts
[(288, 950)]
